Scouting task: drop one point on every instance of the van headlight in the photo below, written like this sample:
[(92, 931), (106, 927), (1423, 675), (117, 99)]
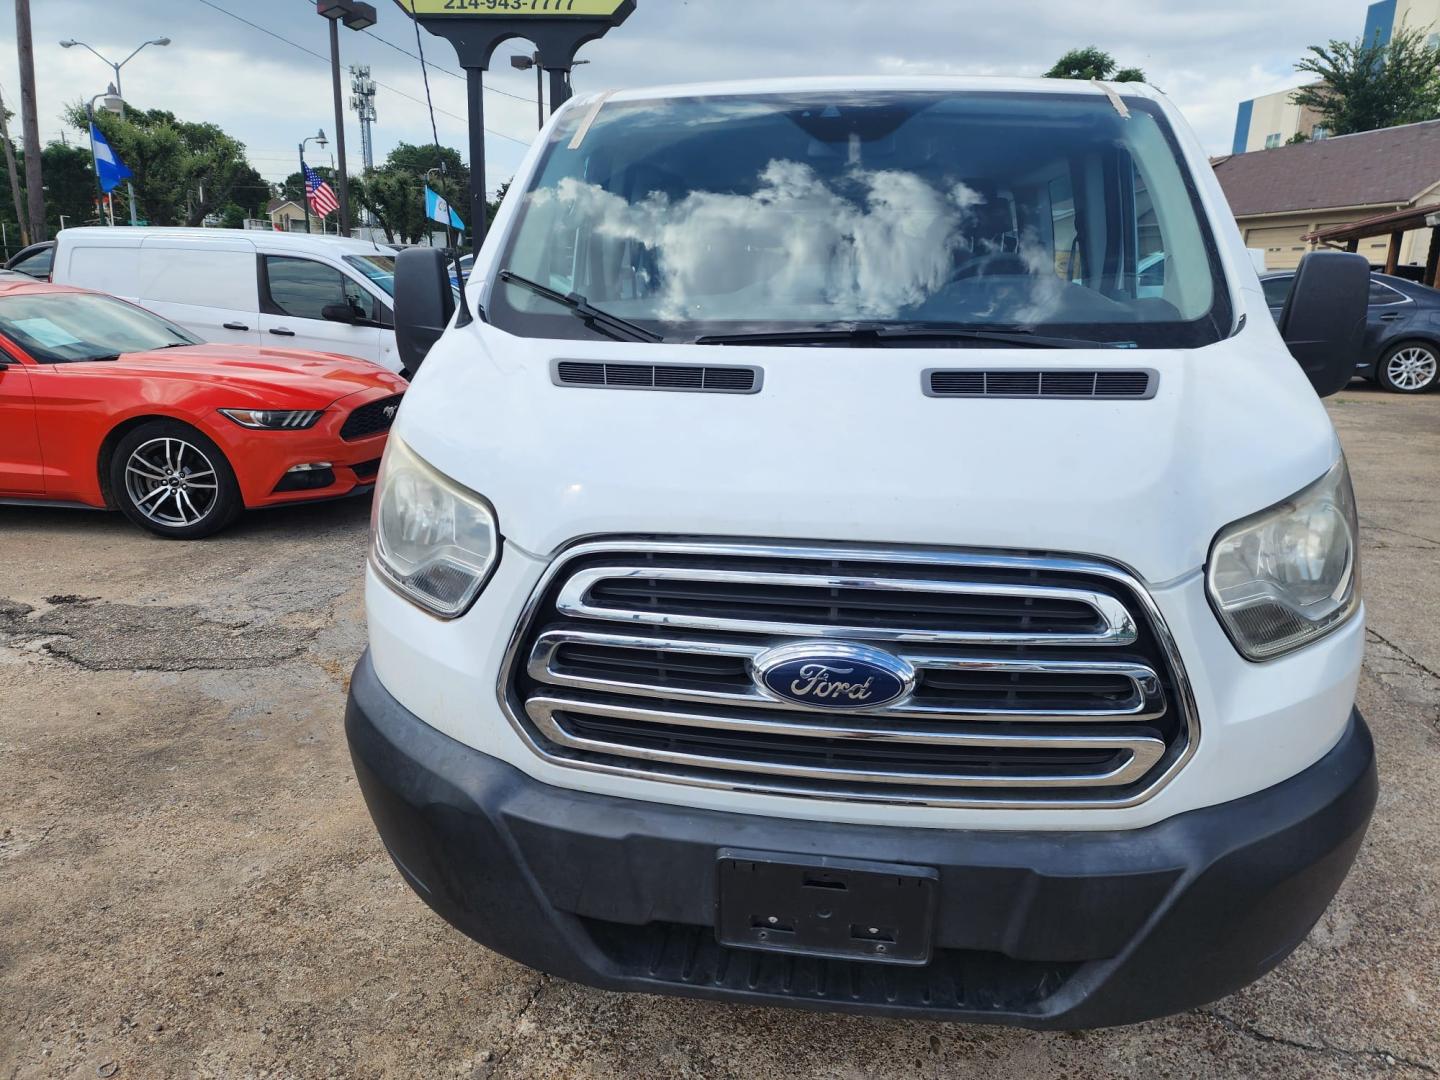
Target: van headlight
[(434, 541), (1288, 575)]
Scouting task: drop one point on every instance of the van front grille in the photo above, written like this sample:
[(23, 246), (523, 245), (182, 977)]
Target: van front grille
[(1038, 680)]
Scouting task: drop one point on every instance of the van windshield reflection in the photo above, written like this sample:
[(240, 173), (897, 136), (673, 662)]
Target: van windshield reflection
[(708, 216)]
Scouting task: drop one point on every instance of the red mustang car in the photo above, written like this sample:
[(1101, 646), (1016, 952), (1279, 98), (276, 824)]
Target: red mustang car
[(105, 405)]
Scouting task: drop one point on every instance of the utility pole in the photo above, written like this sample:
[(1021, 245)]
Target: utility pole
[(15, 195), (30, 121)]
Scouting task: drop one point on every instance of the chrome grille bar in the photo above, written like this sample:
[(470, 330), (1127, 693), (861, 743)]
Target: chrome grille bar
[(1113, 622), (1141, 751), (1147, 700)]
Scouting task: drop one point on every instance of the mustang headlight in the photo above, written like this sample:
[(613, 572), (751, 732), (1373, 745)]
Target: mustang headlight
[(1290, 574), (274, 419), (433, 540)]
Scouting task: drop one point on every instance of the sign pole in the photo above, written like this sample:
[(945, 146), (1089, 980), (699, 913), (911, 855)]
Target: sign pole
[(557, 28), (559, 88), (475, 89)]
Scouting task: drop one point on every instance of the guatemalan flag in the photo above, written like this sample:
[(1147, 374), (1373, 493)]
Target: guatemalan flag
[(437, 208), (108, 166)]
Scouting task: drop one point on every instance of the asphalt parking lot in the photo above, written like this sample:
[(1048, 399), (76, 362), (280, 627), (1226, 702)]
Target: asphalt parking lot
[(190, 885)]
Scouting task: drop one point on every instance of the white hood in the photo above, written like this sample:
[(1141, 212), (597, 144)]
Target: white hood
[(843, 445)]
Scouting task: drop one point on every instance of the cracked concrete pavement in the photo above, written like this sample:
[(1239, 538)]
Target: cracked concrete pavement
[(190, 886)]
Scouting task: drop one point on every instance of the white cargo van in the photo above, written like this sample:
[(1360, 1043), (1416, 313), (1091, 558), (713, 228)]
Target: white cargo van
[(814, 568), (324, 293)]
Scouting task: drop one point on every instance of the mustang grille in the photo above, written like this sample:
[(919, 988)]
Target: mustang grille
[(371, 419)]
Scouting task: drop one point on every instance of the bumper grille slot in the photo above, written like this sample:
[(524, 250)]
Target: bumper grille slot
[(1037, 680), (955, 979)]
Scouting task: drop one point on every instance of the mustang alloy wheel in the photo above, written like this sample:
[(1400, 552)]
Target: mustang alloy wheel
[(171, 482), (1409, 368), (169, 478)]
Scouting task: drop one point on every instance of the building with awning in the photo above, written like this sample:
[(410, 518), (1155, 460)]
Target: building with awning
[(1284, 197)]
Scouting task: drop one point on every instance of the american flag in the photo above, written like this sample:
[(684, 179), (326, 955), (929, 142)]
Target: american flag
[(321, 195)]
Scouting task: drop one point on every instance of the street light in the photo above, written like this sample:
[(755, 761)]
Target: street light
[(525, 63), (111, 102), (70, 43), (319, 140), (356, 15)]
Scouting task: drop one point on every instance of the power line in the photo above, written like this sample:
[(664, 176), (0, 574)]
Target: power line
[(326, 61), (443, 70)]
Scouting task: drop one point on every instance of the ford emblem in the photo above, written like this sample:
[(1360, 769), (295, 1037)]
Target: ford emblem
[(833, 675)]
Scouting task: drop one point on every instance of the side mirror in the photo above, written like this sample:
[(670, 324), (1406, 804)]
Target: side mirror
[(342, 313), (424, 303), (1324, 318)]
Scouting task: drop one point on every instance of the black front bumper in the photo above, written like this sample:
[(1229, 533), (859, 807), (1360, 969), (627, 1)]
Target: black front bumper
[(1040, 929)]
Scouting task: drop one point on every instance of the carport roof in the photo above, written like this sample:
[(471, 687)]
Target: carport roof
[(1379, 225), (1374, 169)]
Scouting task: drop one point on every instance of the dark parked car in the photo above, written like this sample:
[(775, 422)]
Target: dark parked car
[(34, 261), (1402, 333)]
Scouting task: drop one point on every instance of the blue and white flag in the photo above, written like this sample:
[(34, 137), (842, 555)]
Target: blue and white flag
[(437, 208), (108, 166)]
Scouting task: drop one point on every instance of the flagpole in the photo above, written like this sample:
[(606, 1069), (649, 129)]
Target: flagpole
[(94, 161), (304, 188)]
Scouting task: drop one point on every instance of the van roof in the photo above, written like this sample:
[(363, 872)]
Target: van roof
[(995, 84), (273, 240)]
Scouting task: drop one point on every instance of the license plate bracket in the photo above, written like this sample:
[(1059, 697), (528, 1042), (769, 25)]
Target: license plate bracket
[(845, 909)]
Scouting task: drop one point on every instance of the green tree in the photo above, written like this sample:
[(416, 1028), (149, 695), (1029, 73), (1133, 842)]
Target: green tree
[(69, 185), (1368, 85), (493, 208), (184, 171), (1093, 63), (69, 190), (395, 192)]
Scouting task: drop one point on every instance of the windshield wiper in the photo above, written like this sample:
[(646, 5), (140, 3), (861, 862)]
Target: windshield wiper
[(879, 335), (610, 325)]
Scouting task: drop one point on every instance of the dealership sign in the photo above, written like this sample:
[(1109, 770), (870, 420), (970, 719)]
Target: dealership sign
[(476, 28), (557, 27), (502, 9)]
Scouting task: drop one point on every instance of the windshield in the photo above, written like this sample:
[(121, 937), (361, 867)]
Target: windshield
[(59, 328), (378, 268), (716, 215)]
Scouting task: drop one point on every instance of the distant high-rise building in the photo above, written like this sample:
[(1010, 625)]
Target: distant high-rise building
[(1272, 120)]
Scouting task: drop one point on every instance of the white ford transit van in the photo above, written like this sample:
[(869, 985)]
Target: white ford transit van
[(814, 568), (300, 291)]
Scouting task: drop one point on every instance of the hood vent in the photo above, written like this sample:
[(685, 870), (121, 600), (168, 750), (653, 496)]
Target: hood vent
[(695, 379), (1104, 385)]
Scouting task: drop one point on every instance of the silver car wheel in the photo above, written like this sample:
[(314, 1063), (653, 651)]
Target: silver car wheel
[(1412, 368), (171, 482)]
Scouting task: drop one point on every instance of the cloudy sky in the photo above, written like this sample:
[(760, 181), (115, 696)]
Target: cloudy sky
[(271, 92)]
